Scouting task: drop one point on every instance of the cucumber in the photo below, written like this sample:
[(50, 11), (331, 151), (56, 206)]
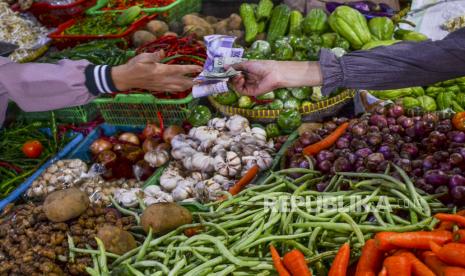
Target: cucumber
[(250, 24), (295, 22), (128, 16), (264, 9), (279, 22), (261, 26)]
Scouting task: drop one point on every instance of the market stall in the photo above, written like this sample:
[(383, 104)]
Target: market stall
[(211, 182)]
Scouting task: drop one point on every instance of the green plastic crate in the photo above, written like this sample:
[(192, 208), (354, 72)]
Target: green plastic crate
[(77, 114), (172, 12), (138, 109)]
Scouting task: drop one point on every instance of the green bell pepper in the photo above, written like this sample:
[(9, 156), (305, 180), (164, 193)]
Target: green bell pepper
[(272, 130), (300, 56), (289, 120), (245, 102), (314, 53), (427, 103), (417, 91), (350, 24), (262, 47), (315, 39), (381, 27), (200, 115), (456, 107), (316, 22), (328, 40), (392, 94)]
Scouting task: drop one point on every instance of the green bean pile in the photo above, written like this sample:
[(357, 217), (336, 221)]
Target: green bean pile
[(237, 232)]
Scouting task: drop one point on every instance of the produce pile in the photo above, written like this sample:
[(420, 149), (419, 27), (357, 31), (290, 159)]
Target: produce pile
[(120, 5), (105, 24)]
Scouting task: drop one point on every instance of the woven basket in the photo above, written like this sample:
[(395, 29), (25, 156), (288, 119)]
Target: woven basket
[(313, 112)]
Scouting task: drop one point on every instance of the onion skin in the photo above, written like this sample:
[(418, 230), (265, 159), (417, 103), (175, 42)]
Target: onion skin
[(151, 130), (107, 158), (100, 145), (129, 137), (163, 146), (150, 143), (170, 132)]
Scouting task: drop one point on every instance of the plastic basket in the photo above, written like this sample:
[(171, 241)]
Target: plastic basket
[(172, 12), (77, 114), (53, 15), (16, 193), (138, 109), (61, 40), (314, 112)]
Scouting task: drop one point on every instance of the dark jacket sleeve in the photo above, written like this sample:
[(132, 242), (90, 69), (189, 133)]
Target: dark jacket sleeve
[(401, 65)]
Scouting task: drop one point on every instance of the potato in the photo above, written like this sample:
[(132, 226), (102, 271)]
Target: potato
[(198, 30), (237, 33), (221, 27), (234, 22), (66, 204), (116, 240), (157, 27), (190, 19), (176, 27), (141, 37), (211, 19), (171, 33), (164, 217)]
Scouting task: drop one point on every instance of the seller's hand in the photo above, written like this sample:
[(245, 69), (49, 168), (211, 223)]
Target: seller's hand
[(259, 77), (145, 72)]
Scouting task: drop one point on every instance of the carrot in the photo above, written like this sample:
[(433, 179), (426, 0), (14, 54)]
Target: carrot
[(459, 236), (370, 260), (398, 266), (246, 179), (189, 232), (418, 267), (456, 218), (451, 253), (445, 225), (461, 212), (381, 240), (295, 263), (341, 261), (326, 142), (278, 264), (419, 239), (433, 262), (454, 271), (383, 272)]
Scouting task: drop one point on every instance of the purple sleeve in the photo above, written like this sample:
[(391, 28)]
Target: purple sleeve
[(401, 65)]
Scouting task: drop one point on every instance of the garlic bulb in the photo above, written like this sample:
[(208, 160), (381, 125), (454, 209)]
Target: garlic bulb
[(157, 158), (170, 178), (181, 192), (227, 163), (127, 198), (237, 124), (182, 152), (152, 190), (202, 162), (217, 123), (207, 190), (259, 133), (203, 133), (183, 140), (264, 159)]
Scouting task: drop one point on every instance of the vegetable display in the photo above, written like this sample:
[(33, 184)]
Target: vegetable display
[(104, 24)]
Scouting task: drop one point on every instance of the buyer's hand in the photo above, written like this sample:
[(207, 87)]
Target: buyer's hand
[(259, 77), (145, 72)]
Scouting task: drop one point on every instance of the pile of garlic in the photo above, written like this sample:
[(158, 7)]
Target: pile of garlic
[(208, 161)]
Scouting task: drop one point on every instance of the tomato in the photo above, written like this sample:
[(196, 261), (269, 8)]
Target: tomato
[(32, 149), (459, 121)]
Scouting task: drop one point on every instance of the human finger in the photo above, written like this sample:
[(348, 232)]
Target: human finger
[(147, 58), (185, 69), (159, 55)]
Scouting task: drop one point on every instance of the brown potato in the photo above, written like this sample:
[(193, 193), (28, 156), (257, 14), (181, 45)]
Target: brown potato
[(191, 19), (164, 217), (234, 22), (198, 30), (221, 27), (116, 240), (141, 37), (66, 204), (211, 19), (171, 33), (157, 27)]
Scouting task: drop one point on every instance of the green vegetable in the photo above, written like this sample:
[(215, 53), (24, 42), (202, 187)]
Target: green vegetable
[(328, 40), (276, 104), (427, 103), (381, 27), (245, 102), (317, 95), (266, 96), (261, 26), (444, 100), (278, 22), (434, 91), (314, 52), (264, 9), (378, 43), (295, 22), (342, 43), (289, 120), (315, 39), (409, 35), (449, 82), (456, 107), (283, 51), (226, 98), (460, 99), (128, 16), (199, 116), (272, 130), (102, 24), (392, 94), (417, 91), (292, 103), (304, 103), (282, 93), (300, 56), (453, 89), (410, 102), (316, 22), (301, 93), (350, 24), (262, 47), (248, 20)]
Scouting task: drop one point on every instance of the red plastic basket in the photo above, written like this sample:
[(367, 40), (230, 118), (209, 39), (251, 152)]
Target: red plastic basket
[(54, 15), (61, 40)]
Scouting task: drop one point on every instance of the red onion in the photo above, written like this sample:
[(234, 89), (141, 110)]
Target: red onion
[(330, 125), (374, 139), (378, 120), (429, 162), (386, 151), (325, 155), (404, 164), (324, 166), (458, 193), (396, 111), (457, 136), (455, 158), (410, 148), (395, 128), (431, 118), (363, 152), (441, 155), (359, 130), (341, 165), (100, 145), (456, 180), (407, 122), (342, 143), (436, 178), (380, 110)]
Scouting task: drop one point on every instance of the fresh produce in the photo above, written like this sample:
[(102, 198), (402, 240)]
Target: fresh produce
[(32, 148), (350, 24), (289, 120), (381, 27), (278, 263), (459, 121), (264, 9), (326, 142), (295, 23), (341, 261), (378, 43), (316, 22), (32, 245), (369, 9), (278, 23), (64, 205), (102, 24), (409, 35), (295, 262), (250, 24), (162, 218), (200, 115), (116, 239), (128, 16), (120, 5)]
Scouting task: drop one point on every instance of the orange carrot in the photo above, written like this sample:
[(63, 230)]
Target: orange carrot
[(433, 262), (418, 267), (295, 263), (419, 239), (341, 261), (454, 271), (445, 225), (370, 260), (461, 212), (383, 272), (246, 179), (451, 253), (278, 264), (381, 240), (398, 266), (326, 142), (459, 236), (456, 218)]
